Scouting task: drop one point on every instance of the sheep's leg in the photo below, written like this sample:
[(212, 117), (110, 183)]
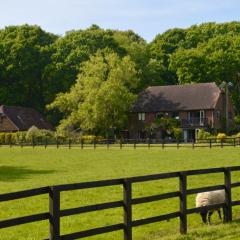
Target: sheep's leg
[(203, 214), (224, 214), (219, 213), (209, 216)]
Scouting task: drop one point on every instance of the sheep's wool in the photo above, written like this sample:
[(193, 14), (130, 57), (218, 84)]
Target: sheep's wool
[(209, 198)]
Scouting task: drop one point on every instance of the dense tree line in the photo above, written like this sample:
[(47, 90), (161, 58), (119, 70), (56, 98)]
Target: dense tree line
[(88, 77)]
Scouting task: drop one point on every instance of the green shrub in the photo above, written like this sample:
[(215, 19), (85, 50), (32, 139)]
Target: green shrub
[(88, 138), (9, 139), (202, 135), (22, 136), (2, 138), (237, 135), (221, 137), (177, 132), (46, 135), (60, 138), (91, 138), (33, 134)]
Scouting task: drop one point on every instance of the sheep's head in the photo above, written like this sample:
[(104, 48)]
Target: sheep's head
[(203, 214)]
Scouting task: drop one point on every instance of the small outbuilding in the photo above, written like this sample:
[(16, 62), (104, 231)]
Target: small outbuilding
[(15, 118)]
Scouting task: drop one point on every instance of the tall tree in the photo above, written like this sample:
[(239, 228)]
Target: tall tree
[(137, 48), (24, 53), (71, 50), (161, 49), (216, 60), (102, 94)]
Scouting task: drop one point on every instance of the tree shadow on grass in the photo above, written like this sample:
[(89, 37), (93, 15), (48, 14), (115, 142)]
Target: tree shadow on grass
[(10, 174)]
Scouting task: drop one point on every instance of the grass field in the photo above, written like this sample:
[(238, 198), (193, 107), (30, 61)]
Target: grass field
[(30, 168)]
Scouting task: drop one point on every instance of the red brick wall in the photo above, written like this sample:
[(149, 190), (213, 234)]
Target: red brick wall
[(183, 115), (220, 107), (209, 115), (149, 118)]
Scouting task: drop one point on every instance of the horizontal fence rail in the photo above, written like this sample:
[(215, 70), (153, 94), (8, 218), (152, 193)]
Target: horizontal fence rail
[(55, 213), (128, 143)]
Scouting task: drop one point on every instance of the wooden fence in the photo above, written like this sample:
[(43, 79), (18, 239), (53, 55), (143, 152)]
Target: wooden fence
[(130, 143), (55, 213)]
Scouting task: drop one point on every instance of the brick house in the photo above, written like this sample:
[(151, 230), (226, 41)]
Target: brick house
[(197, 106), (13, 119)]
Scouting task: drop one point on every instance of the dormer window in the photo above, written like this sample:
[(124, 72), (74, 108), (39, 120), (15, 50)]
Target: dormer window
[(141, 116)]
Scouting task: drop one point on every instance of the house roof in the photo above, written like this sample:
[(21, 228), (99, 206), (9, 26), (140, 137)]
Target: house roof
[(24, 118), (177, 98)]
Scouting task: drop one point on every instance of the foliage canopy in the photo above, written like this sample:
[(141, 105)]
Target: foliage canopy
[(36, 66)]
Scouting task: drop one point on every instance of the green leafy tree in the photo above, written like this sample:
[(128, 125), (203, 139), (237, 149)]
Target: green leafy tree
[(216, 60), (137, 48), (102, 95), (160, 50), (71, 50), (24, 53), (167, 125)]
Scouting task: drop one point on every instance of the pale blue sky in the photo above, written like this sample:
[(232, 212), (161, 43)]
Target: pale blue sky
[(145, 17)]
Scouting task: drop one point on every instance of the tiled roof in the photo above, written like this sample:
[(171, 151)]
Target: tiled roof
[(177, 98), (24, 118)]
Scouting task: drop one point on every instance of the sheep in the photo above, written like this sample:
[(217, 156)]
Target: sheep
[(210, 198)]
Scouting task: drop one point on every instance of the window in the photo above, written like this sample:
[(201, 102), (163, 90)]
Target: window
[(159, 115), (175, 115), (141, 116)]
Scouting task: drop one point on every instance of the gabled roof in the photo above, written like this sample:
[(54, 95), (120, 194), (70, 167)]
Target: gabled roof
[(24, 118), (177, 98)]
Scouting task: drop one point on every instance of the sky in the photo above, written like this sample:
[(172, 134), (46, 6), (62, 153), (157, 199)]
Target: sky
[(145, 17)]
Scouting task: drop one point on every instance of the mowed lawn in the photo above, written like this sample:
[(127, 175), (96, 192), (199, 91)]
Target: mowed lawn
[(31, 168)]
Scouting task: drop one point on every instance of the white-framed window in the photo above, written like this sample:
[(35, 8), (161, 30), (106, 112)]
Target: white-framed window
[(141, 116)]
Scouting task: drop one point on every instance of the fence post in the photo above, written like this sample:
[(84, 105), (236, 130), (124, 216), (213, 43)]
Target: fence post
[(192, 143), (221, 143), (57, 142), (81, 144), (120, 143), (228, 192), (127, 197), (234, 142), (69, 143), (54, 212), (94, 144), (10, 141), (149, 142), (183, 203), (162, 143), (32, 141), (134, 145), (177, 144), (210, 143), (107, 143), (45, 143)]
